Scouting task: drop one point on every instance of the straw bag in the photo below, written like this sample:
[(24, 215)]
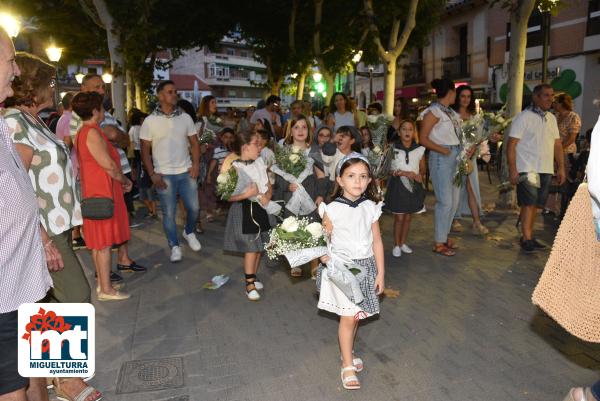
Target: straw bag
[(568, 287)]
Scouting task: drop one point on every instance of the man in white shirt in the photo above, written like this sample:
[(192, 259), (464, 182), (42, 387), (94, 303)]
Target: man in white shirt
[(171, 134), (533, 147), (269, 116)]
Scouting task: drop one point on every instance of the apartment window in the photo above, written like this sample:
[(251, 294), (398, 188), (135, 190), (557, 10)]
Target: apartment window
[(230, 52), (244, 53), (218, 71), (535, 36), (593, 23), (92, 70), (231, 93)]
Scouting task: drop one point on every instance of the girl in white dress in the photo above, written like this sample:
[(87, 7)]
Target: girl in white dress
[(351, 220)]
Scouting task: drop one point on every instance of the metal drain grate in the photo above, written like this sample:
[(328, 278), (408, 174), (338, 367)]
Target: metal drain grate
[(151, 375)]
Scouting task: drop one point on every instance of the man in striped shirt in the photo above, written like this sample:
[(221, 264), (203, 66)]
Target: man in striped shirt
[(24, 258)]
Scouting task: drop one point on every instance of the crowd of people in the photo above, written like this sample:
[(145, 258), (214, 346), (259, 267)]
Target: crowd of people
[(75, 187)]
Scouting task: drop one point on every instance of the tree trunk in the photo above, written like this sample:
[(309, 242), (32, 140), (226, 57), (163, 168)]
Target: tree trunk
[(389, 88), (130, 90), (519, 18), (330, 82), (300, 88), (116, 58), (139, 97), (276, 85)]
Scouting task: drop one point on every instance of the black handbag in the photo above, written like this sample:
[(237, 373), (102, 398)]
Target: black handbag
[(96, 208)]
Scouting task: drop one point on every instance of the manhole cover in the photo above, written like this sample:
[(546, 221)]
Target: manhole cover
[(150, 375)]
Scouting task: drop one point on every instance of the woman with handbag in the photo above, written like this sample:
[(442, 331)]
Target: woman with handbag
[(105, 220), (48, 162)]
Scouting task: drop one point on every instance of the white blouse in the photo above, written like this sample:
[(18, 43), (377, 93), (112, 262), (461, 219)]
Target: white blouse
[(343, 119), (352, 227), (443, 132), (414, 158)]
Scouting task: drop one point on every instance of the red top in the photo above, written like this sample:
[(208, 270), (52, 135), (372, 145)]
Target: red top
[(95, 182)]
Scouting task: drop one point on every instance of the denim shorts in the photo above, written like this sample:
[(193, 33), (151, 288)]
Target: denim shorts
[(10, 380), (528, 195)]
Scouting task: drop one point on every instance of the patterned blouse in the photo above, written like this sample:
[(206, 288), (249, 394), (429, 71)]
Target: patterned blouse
[(50, 172), (566, 126)]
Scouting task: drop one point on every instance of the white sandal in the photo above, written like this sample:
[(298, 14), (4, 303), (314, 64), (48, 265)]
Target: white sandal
[(357, 362), (348, 379)]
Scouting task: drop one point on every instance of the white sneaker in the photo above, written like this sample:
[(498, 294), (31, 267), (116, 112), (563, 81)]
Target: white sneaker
[(406, 249), (253, 295), (176, 254), (397, 251), (192, 241)]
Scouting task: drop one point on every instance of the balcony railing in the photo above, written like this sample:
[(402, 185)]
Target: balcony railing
[(457, 67), (413, 74)]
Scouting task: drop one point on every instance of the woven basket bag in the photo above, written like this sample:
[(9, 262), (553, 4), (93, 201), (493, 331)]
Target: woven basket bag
[(569, 288)]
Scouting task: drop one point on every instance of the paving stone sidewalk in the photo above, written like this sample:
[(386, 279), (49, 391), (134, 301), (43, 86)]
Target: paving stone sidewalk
[(462, 328)]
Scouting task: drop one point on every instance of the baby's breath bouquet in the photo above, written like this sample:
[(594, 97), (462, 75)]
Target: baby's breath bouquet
[(299, 240), (473, 134), (290, 159), (226, 183), (496, 122)]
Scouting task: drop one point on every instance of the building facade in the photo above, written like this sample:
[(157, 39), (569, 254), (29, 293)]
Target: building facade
[(230, 70)]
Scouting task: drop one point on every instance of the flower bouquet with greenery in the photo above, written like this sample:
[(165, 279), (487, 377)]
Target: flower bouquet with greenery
[(496, 122), (473, 133), (227, 183), (207, 137), (290, 159), (299, 240), (378, 125)]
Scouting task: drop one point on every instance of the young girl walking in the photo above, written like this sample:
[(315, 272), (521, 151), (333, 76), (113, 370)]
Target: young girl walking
[(248, 224), (405, 194), (351, 220)]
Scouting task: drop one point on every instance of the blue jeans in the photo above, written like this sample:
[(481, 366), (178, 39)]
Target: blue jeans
[(187, 189), (447, 195), (596, 390)]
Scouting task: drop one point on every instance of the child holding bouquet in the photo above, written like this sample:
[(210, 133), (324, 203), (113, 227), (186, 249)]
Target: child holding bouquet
[(405, 194), (300, 180), (351, 220), (248, 222)]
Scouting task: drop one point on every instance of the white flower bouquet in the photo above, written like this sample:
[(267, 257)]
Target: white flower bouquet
[(473, 133), (378, 125), (299, 240), (208, 136), (290, 159), (496, 122), (381, 161), (227, 183)]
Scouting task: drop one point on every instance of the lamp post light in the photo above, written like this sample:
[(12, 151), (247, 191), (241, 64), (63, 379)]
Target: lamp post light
[(107, 78), (11, 24), (79, 77), (54, 53), (317, 76), (356, 59)]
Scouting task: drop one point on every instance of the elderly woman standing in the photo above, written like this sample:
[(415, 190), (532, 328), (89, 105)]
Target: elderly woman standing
[(101, 176), (569, 125), (441, 133), (48, 162)]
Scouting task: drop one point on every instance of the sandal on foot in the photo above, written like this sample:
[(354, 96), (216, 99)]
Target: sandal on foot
[(257, 283), (296, 272), (442, 249), (451, 244), (357, 362), (50, 380), (350, 379), (251, 293), (586, 395), (82, 396)]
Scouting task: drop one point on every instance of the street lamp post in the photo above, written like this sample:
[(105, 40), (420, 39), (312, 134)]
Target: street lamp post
[(107, 79), (546, 42), (54, 53), (370, 84), (356, 60)]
